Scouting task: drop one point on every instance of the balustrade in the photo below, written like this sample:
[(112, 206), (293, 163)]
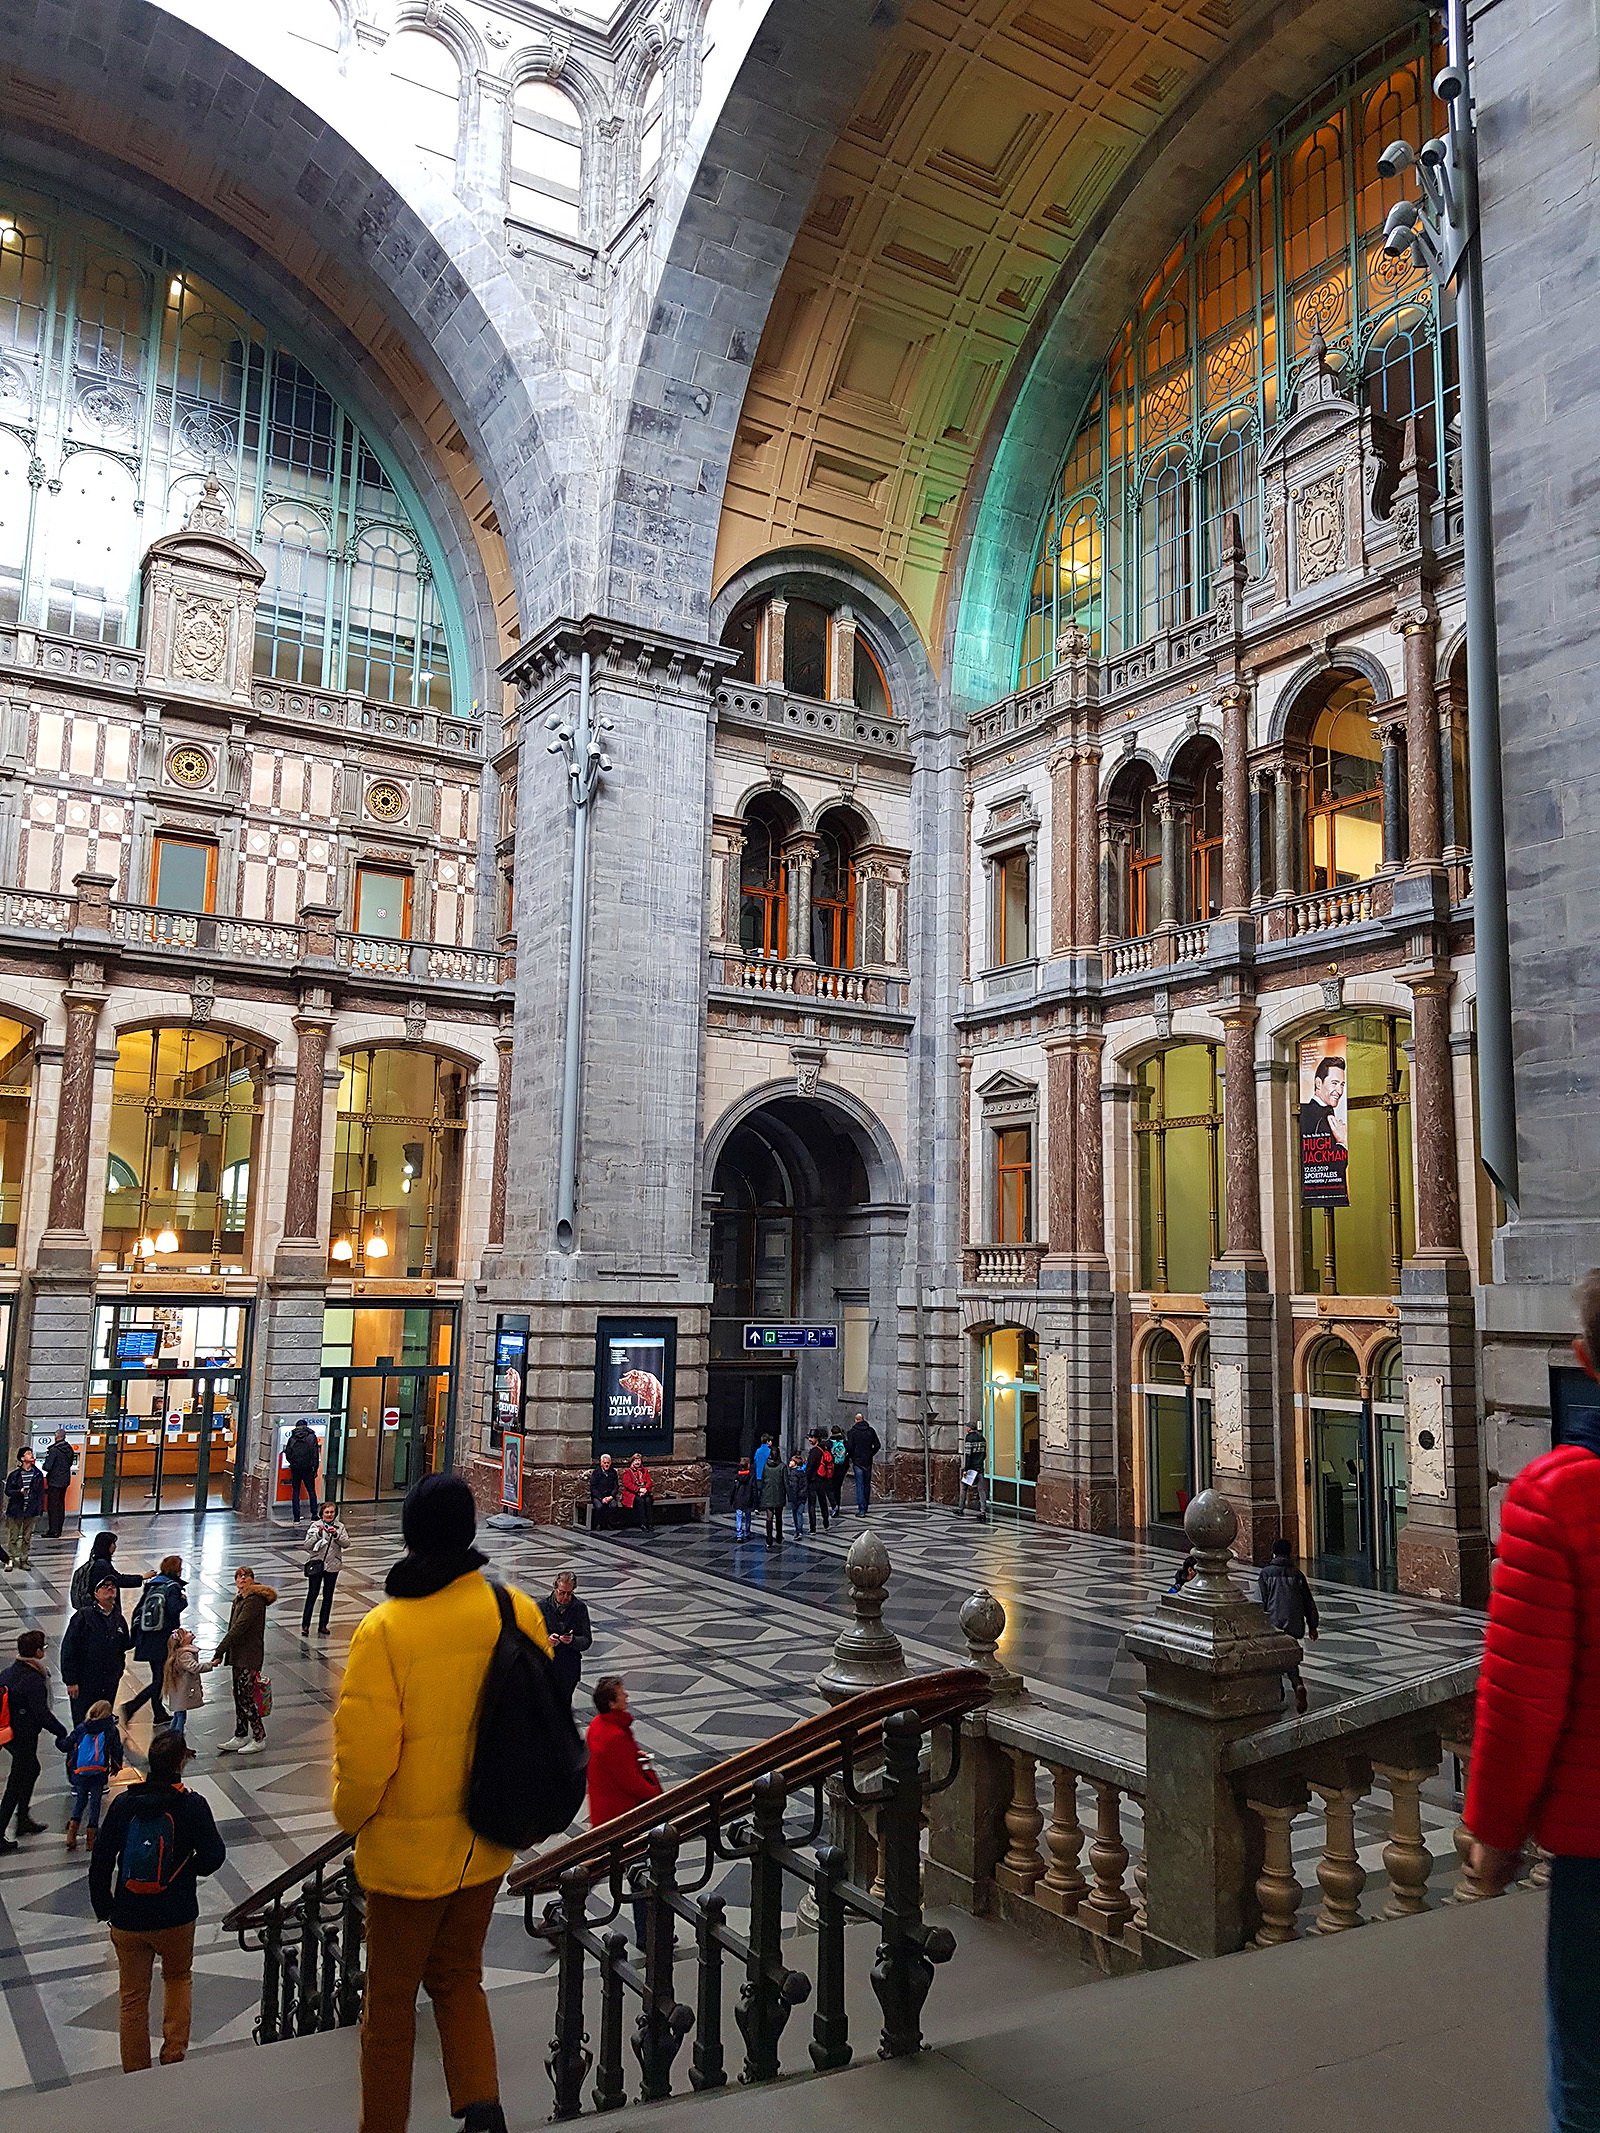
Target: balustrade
[(1191, 944), (1127, 958), (35, 911), (1009, 1266)]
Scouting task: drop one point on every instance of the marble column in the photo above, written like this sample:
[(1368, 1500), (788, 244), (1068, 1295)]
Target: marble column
[(1444, 1544), (1087, 839), (1076, 1323), (58, 1296), (1064, 935), (1237, 829), (67, 1237), (1284, 817), (1243, 1408), (1061, 1101), (502, 1141), (303, 1192), (772, 663), (842, 657), (1169, 815), (1416, 627), (965, 1181), (798, 858), (1394, 790), (1259, 782), (1089, 1238)]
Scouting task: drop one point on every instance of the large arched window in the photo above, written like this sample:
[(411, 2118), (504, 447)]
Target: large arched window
[(546, 179), (1354, 1084), (160, 380), (1205, 842), (1344, 821), (1166, 448), (763, 881), (185, 1111), (1141, 885), (397, 1165), (16, 1097), (833, 893), (1358, 1461), (1177, 1428), (1182, 1206)]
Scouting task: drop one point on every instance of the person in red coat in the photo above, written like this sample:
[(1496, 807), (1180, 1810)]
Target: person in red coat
[(619, 1776), (638, 1493), (1536, 1740)]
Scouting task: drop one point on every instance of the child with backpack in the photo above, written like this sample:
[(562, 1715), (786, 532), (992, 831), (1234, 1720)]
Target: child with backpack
[(743, 1499), (156, 1841), (94, 1756)]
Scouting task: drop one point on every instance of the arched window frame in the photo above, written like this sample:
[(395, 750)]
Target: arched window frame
[(363, 1110), (154, 1104), (538, 196), (833, 914)]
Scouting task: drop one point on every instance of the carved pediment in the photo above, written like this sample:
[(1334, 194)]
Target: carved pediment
[(1004, 1088), (199, 608)]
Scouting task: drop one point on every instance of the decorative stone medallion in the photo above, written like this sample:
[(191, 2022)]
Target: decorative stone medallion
[(200, 641), (189, 766), (387, 800), (1319, 528)]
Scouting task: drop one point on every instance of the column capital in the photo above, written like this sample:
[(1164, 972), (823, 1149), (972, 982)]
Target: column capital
[(1410, 621)]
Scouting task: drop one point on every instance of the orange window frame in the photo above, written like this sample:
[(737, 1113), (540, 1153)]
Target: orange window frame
[(838, 914), (1013, 1185), (1004, 945), (192, 844), (387, 874)]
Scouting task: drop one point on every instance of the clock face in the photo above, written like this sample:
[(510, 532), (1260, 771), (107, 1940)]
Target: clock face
[(189, 766), (386, 800)]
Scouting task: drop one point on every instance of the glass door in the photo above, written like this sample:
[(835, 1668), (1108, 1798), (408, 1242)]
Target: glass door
[(387, 1428), (166, 1408), (1011, 1416), (1358, 1458)]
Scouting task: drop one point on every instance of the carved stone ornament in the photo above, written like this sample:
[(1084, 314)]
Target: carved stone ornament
[(416, 1020), (1163, 1013), (387, 800), (188, 765), (1333, 991), (200, 641), (202, 998), (1319, 529), (807, 1069)]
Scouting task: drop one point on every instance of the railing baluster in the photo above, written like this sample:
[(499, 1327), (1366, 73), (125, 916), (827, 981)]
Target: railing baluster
[(1109, 1905), (1340, 1874), (1277, 1891), (267, 2025), (609, 2091), (1063, 1887), (1022, 1866), (289, 1990), (902, 1970), (762, 2010), (662, 2023), (328, 1996), (1406, 1857), (570, 2058), (707, 2068), (352, 1944), (830, 2026)]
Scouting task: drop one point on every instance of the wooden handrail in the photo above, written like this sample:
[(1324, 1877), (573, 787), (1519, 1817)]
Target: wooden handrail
[(799, 1755)]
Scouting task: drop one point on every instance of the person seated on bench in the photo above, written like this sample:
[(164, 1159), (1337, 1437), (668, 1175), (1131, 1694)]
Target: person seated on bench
[(604, 1491), (638, 1499)]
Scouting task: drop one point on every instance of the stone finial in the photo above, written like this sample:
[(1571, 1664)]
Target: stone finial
[(983, 1624), (865, 1654), (1211, 1526), (209, 512)]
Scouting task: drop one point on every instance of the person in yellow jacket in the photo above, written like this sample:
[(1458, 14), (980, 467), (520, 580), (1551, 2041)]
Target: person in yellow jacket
[(403, 1741)]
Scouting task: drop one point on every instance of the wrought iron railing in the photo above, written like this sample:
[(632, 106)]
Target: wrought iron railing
[(310, 1926)]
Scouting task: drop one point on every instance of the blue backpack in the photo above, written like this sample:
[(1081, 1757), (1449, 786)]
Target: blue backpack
[(150, 1862), (91, 1758)]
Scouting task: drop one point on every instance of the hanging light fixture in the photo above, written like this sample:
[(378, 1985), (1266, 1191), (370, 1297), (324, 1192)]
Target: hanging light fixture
[(167, 1240), (145, 1247), (343, 1249), (377, 1245)]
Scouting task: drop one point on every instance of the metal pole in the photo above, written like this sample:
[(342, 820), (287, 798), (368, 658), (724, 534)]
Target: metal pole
[(1497, 1130)]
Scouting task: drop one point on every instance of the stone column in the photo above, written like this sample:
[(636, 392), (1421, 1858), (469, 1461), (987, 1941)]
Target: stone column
[(1168, 815), (1284, 819), (1394, 789), (1444, 1544), (502, 1141), (1087, 829), (1088, 1154), (1259, 782), (1061, 1099), (303, 1195), (1078, 1446), (798, 856), (967, 1236), (772, 665), (1416, 628), (1237, 838), (1243, 1413), (1064, 935), (842, 657), (67, 1240)]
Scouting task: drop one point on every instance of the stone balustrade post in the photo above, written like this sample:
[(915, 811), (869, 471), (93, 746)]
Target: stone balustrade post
[(318, 925), (1213, 1672), (968, 1829), (93, 893)]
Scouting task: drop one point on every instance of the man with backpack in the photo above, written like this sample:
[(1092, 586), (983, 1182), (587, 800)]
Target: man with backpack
[(863, 1444), (302, 1455), (156, 1841), (819, 1477), (60, 1457), (24, 1504), (94, 1650), (1290, 1607), (154, 1619), (405, 1754), (25, 1713)]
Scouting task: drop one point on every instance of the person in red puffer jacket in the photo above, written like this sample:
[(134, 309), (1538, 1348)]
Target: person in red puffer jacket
[(619, 1776), (1536, 1740)]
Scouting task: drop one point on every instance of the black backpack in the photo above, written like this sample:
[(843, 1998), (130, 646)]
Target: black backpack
[(528, 1764)]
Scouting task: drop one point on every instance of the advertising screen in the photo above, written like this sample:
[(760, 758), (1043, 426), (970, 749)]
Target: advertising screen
[(635, 1370)]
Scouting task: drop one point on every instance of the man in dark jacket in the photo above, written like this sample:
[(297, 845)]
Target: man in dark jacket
[(571, 1633), (59, 1460), (302, 1455), (26, 1687), (863, 1444), (156, 1841), (819, 1472), (155, 1617), (604, 1484), (974, 1457), (1290, 1606), (94, 1650), (24, 1503)]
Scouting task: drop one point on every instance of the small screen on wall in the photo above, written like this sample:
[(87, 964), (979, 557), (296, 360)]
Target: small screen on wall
[(635, 1368), (510, 1379)]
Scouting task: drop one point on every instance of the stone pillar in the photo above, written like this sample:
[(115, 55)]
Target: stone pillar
[(1259, 782), (1237, 830), (1392, 733), (1444, 1544), (1078, 1449), (1285, 814), (1243, 1412), (502, 1141), (799, 854), (967, 1236), (302, 1206), (67, 1241), (1087, 838), (1416, 628), (1213, 1671), (1168, 814), (1064, 935), (842, 657), (1089, 1241), (1061, 1098), (772, 665)]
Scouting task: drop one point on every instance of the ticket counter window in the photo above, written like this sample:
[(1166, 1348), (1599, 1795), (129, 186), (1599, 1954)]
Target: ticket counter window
[(166, 1407)]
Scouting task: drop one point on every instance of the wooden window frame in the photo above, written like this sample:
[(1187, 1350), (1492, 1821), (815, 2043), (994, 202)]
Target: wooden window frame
[(1003, 1171), (393, 873), (1003, 961), (838, 913), (208, 845)]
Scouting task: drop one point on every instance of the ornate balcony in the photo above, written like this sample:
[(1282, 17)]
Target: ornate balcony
[(777, 976), (763, 706), (1002, 1266)]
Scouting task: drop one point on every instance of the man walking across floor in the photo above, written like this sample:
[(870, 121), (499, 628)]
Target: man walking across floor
[(404, 1740), (567, 1624), (302, 1455), (1536, 1741), (156, 1841), (24, 1504), (863, 1444), (1290, 1607), (25, 1688), (94, 1650), (60, 1458), (155, 1617)]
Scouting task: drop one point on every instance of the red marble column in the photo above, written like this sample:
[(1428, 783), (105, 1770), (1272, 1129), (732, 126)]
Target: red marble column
[(1235, 800), (1240, 1146), (1063, 845), (966, 1153), (302, 1197), (1416, 627), (1061, 1098), (69, 1175), (502, 1142), (1434, 1112), (1087, 836), (1088, 1170)]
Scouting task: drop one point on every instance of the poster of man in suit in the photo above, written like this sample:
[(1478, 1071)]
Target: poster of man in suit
[(1324, 1123)]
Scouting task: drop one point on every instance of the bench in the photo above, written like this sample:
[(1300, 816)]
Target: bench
[(669, 1511)]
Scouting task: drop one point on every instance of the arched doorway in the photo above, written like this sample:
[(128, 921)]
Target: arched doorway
[(1177, 1412), (1009, 1368), (1358, 1462), (803, 1230)]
